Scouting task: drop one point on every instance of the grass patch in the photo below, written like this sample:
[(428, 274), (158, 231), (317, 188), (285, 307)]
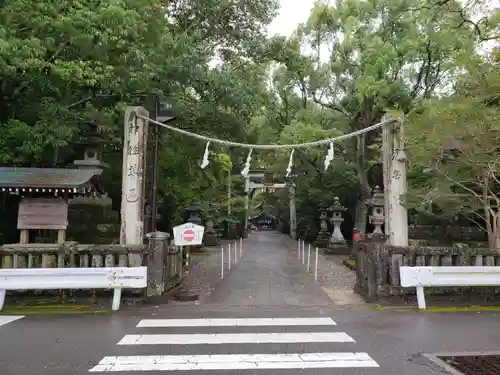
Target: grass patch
[(442, 309)]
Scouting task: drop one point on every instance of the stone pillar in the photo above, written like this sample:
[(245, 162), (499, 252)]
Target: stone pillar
[(323, 237), (337, 243), (133, 177), (158, 243), (377, 217), (398, 216), (293, 212)]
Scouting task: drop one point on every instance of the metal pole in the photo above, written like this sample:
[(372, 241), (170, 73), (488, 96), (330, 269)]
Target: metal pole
[(298, 248), (229, 254), (229, 183), (154, 179), (241, 247), (235, 251), (247, 201), (222, 262), (308, 257), (303, 252), (154, 171), (316, 267)]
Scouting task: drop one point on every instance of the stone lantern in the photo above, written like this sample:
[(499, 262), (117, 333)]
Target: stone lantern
[(193, 213), (194, 216), (210, 237), (323, 236), (337, 243), (377, 217)]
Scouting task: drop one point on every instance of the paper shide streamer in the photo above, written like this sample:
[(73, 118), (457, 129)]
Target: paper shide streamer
[(329, 156), (246, 169), (205, 161)]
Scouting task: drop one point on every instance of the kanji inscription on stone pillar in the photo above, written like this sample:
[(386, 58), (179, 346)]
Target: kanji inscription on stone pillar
[(133, 179)]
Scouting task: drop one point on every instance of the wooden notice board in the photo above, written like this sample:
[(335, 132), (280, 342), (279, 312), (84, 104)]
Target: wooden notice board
[(42, 213)]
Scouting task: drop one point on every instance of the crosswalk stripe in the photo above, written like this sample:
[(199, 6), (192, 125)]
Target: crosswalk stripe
[(234, 362), (251, 322), (9, 319), (235, 338)]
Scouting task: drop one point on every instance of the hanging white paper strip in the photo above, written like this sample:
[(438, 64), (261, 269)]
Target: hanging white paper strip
[(290, 164), (246, 169), (205, 161), (329, 156)]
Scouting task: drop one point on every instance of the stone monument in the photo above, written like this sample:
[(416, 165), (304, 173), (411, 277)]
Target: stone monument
[(210, 237), (323, 236)]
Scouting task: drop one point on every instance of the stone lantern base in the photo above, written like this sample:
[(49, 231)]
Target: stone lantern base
[(322, 239), (211, 239), (338, 247)]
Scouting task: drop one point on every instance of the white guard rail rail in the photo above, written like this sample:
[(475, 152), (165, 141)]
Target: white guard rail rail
[(420, 277), (116, 278)]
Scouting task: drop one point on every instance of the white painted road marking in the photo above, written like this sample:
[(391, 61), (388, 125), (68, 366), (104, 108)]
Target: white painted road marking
[(234, 362), (235, 338), (252, 322), (9, 319)]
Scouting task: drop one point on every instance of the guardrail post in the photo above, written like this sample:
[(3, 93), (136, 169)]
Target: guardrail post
[(155, 263)]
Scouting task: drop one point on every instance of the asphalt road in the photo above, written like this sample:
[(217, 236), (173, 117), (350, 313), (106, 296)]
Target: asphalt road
[(245, 327)]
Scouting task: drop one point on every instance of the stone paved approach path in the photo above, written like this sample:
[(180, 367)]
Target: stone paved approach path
[(269, 274)]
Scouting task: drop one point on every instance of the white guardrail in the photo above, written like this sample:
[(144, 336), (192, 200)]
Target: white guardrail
[(116, 278), (420, 277)]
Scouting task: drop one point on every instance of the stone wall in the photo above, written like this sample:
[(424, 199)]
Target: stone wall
[(93, 220), (377, 267)]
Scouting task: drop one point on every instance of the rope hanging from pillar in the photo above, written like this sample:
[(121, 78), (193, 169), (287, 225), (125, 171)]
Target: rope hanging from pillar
[(330, 141)]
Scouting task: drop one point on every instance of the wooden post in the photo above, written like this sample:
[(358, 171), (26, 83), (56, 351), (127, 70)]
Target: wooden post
[(25, 235), (133, 178)]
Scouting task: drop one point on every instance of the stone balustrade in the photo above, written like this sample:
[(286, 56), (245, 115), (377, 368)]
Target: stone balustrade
[(377, 265), (164, 261), (71, 254)]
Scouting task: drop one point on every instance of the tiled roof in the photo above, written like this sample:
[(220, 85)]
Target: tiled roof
[(46, 177)]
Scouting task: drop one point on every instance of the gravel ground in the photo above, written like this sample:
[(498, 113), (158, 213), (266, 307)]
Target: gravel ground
[(336, 279)]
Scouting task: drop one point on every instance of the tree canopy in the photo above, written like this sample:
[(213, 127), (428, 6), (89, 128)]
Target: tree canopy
[(67, 66)]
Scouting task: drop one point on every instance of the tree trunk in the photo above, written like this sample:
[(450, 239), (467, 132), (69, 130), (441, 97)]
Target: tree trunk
[(361, 207)]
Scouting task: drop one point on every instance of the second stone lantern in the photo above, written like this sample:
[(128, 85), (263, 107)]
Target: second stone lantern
[(337, 243)]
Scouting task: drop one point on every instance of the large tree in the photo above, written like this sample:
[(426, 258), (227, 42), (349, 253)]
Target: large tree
[(367, 57)]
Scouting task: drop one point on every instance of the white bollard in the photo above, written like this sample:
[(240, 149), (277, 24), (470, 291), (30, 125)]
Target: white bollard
[(298, 248), (229, 254), (222, 262), (316, 267), (308, 257), (303, 252), (235, 251), (241, 247)]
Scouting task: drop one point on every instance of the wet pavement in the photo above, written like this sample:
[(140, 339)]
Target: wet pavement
[(266, 317)]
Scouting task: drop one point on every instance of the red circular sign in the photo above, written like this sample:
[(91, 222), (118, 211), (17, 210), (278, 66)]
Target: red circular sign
[(188, 235)]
